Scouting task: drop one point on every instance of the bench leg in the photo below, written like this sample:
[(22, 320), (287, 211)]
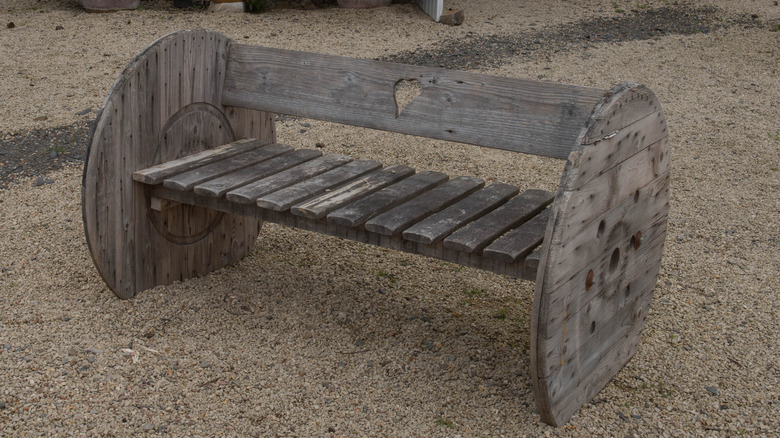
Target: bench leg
[(165, 105), (597, 274)]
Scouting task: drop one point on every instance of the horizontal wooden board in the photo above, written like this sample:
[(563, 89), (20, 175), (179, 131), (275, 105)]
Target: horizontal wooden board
[(283, 199), (155, 174), (359, 234), (541, 118), (249, 193), (419, 208), (219, 186), (612, 187), (377, 203), (520, 241), (480, 233), (581, 245), (617, 147), (320, 206), (441, 224), (191, 178)]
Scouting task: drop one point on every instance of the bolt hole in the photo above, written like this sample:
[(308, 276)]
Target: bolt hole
[(614, 261), (602, 226), (589, 280), (592, 327), (636, 240), (628, 290), (636, 196)]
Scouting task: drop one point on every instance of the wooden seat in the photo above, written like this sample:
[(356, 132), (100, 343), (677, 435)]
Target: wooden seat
[(393, 206), (184, 167)]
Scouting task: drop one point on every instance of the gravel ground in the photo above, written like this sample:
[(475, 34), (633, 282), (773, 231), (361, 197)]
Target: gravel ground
[(332, 338)]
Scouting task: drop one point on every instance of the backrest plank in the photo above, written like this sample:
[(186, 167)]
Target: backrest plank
[(540, 118)]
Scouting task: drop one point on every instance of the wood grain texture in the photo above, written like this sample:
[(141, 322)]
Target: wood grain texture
[(197, 175), (285, 198), (320, 206), (219, 186), (359, 234), (146, 120), (541, 118), (598, 269), (249, 193), (405, 215), (156, 174), (442, 224), (377, 203), (520, 241), (480, 233)]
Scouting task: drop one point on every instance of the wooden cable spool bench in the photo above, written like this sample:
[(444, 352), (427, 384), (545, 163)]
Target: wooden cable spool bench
[(183, 168)]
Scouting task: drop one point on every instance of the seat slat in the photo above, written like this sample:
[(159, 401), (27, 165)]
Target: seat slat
[(191, 178), (389, 197), (156, 174), (249, 193), (320, 206), (219, 186), (281, 200), (441, 224), (480, 233), (430, 202), (520, 241)]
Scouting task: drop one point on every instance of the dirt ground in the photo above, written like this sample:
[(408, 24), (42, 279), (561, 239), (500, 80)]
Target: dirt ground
[(314, 336)]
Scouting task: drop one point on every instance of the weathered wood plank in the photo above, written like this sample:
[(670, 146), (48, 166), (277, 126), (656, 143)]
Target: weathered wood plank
[(581, 246), (359, 234), (320, 206), (617, 147), (441, 224), (541, 118), (520, 241), (633, 102), (285, 198), (377, 203), (583, 317), (189, 179), (156, 174), (219, 186), (249, 193), (610, 352), (612, 187), (480, 233), (600, 245), (430, 202), (173, 84)]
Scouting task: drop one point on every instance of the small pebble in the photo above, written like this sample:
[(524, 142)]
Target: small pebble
[(712, 390), (72, 351)]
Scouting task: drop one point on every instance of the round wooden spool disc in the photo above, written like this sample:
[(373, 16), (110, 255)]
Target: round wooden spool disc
[(166, 105), (595, 282)]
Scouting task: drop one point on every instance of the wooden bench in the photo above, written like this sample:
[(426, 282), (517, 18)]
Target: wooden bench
[(184, 167)]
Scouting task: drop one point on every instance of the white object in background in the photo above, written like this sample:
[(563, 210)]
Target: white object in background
[(433, 8)]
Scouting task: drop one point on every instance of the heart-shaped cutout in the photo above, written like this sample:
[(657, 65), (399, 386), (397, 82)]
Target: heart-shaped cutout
[(405, 91)]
